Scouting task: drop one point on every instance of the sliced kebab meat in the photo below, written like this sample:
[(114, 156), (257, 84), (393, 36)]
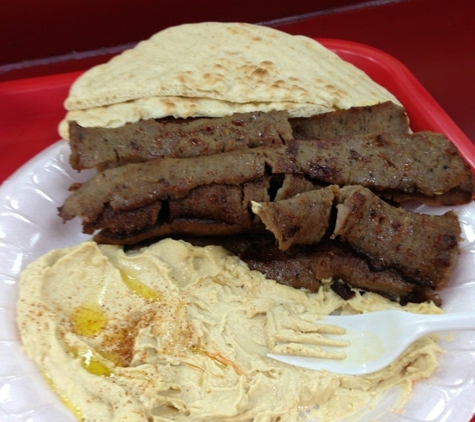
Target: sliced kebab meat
[(423, 247), (429, 167), (260, 173)]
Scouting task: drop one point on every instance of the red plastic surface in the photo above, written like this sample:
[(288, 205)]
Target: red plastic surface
[(32, 108)]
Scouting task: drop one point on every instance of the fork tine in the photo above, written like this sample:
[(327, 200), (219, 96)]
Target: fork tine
[(310, 338), (298, 349)]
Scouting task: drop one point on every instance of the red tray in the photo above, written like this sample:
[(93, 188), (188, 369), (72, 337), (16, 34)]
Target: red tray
[(32, 108)]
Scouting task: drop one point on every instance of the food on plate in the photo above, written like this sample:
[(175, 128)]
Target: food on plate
[(415, 270), (302, 219), (377, 118), (222, 159), (111, 200), (427, 245), (176, 332), (264, 156), (182, 153), (99, 147)]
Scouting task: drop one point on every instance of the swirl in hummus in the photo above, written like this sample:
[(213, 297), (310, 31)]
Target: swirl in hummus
[(173, 332)]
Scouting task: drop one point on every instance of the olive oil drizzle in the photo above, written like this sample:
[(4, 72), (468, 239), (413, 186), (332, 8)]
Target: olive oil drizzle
[(139, 288), (89, 320)]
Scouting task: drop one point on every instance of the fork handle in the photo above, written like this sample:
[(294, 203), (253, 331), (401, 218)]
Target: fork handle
[(458, 321)]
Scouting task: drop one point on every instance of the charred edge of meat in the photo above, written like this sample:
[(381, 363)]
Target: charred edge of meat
[(421, 295), (343, 290), (417, 295), (184, 227), (128, 222)]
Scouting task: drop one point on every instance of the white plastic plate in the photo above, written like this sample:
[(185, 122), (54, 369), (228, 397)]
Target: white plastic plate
[(30, 227)]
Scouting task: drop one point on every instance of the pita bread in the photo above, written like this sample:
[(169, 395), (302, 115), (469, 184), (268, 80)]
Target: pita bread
[(117, 115), (215, 69)]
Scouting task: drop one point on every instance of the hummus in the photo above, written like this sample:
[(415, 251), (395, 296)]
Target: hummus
[(173, 332)]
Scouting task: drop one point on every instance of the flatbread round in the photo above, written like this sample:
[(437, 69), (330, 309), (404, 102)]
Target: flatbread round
[(215, 69)]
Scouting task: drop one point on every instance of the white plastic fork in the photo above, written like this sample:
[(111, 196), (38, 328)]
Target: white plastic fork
[(376, 339)]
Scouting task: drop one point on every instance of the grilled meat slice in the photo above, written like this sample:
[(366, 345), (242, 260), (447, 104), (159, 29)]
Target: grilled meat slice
[(126, 222), (288, 185), (302, 220), (96, 147), (371, 161), (178, 227), (423, 165), (230, 213), (192, 215), (136, 185), (217, 202), (378, 118), (100, 148), (422, 247)]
